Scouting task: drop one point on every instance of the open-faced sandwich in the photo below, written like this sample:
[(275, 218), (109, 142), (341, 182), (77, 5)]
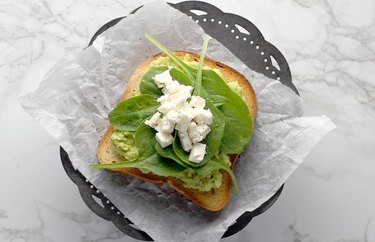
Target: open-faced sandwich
[(183, 120)]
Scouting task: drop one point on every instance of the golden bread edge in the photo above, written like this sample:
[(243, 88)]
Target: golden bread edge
[(213, 200)]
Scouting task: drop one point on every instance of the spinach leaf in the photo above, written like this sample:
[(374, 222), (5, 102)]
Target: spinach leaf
[(130, 113), (238, 123), (218, 100), (154, 163), (168, 152), (164, 167), (147, 85), (180, 77), (145, 140), (183, 157), (215, 137)]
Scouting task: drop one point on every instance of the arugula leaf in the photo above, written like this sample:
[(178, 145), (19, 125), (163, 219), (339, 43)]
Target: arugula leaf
[(130, 113), (148, 85), (238, 123)]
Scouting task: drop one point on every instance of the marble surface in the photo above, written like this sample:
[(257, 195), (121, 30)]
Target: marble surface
[(330, 46)]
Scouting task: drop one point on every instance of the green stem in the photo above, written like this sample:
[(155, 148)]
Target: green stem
[(169, 53), (126, 164), (198, 82), (231, 174)]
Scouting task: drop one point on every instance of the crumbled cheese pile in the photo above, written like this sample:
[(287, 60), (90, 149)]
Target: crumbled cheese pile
[(181, 111)]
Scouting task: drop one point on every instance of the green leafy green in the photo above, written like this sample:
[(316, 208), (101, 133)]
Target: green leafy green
[(164, 162), (168, 152), (198, 80), (181, 77), (148, 159), (216, 135), (147, 85), (154, 163), (145, 140), (238, 123), (218, 100), (182, 156), (237, 119), (130, 113), (173, 57), (164, 167)]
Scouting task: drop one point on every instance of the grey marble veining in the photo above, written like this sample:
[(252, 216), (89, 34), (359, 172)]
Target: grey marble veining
[(330, 47)]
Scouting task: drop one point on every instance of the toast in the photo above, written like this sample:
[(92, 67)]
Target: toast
[(213, 200)]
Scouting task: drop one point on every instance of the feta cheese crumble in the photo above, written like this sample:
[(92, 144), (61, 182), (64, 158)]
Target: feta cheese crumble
[(181, 112)]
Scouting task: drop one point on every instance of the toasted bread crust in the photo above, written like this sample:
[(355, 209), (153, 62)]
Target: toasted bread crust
[(213, 200)]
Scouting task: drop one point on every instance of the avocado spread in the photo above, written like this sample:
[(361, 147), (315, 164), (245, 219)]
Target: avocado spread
[(124, 141), (236, 88), (204, 181), (124, 144), (166, 61)]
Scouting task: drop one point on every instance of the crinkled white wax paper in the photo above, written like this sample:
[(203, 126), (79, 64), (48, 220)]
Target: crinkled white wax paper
[(73, 101)]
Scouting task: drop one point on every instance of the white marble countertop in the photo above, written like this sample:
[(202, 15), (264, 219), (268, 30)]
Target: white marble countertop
[(330, 46)]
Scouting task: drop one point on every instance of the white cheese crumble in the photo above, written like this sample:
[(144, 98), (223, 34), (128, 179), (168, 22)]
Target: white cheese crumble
[(181, 112), (197, 152)]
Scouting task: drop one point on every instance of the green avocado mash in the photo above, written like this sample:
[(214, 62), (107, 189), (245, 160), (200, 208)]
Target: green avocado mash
[(236, 88), (124, 141), (124, 144), (204, 181), (166, 61), (201, 182)]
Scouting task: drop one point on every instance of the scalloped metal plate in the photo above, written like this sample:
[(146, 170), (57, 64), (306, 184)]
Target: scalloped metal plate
[(245, 41)]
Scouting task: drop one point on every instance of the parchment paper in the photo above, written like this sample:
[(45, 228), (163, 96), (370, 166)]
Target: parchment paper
[(73, 101)]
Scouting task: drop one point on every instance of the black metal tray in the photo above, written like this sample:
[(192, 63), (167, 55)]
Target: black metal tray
[(241, 37)]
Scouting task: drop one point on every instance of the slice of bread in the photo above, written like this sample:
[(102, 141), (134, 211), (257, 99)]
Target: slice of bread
[(213, 200)]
